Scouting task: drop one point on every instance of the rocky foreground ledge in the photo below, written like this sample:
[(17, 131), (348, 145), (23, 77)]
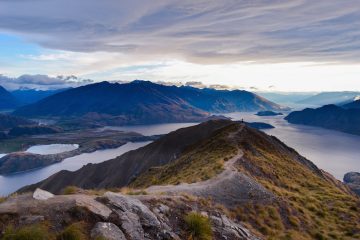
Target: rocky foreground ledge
[(116, 216)]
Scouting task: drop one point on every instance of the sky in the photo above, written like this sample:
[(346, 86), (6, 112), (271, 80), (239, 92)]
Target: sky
[(259, 45)]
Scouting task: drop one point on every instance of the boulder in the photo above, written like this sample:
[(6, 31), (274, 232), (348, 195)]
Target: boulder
[(133, 205), (131, 225), (93, 206), (40, 194), (108, 231), (228, 229)]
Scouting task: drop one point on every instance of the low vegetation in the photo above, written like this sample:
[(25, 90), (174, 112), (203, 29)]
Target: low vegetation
[(75, 231), (198, 226), (70, 190), (310, 206), (41, 231), (33, 232), (198, 163)]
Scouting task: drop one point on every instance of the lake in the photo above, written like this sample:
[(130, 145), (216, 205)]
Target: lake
[(11, 183), (332, 151), (52, 148)]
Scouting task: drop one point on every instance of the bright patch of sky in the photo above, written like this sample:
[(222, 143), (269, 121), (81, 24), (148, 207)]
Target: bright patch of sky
[(300, 45)]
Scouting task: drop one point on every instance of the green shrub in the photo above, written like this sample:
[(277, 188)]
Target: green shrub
[(2, 199), (75, 231), (34, 232), (69, 190), (199, 226)]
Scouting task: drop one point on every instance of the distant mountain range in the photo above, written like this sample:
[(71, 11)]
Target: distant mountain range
[(142, 102), (20, 97), (325, 98), (354, 104), (29, 96), (286, 97), (7, 100), (328, 116)]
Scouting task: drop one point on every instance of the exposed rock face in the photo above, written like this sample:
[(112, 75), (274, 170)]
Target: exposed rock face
[(352, 179), (229, 229), (128, 204), (108, 231), (115, 216), (40, 194)]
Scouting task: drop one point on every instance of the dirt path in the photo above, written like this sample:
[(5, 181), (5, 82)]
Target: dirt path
[(229, 188), (228, 173)]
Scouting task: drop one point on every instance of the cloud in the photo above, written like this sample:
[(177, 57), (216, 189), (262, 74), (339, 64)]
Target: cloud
[(203, 31), (195, 84), (42, 82)]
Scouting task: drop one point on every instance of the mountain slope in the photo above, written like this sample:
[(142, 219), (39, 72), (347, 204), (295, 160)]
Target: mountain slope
[(7, 100), (7, 122), (325, 98), (137, 102), (354, 104), (329, 116), (29, 96), (221, 101), (121, 171), (267, 185), (144, 102)]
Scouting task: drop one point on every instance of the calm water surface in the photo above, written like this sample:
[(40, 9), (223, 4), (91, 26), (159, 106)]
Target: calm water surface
[(9, 184), (52, 148), (333, 151)]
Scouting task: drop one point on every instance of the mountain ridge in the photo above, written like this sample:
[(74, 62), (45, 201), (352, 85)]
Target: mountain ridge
[(7, 100), (330, 117), (141, 102)]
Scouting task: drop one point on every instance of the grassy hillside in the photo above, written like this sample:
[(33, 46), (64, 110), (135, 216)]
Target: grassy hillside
[(198, 162), (309, 204)]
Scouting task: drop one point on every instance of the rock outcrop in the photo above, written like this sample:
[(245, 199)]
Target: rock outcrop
[(352, 180), (116, 216), (107, 231)]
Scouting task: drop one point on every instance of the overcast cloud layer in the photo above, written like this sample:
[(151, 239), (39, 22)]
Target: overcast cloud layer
[(293, 45), (41, 82), (202, 31)]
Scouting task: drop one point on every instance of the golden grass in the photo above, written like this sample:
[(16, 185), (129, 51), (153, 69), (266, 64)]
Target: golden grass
[(310, 207), (197, 163)]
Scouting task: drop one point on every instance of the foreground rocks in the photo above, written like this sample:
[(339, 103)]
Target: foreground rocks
[(352, 179), (108, 231), (115, 216)]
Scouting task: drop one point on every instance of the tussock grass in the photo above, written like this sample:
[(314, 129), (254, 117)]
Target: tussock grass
[(33, 232), (69, 190), (199, 162), (310, 206), (198, 226), (75, 231)]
